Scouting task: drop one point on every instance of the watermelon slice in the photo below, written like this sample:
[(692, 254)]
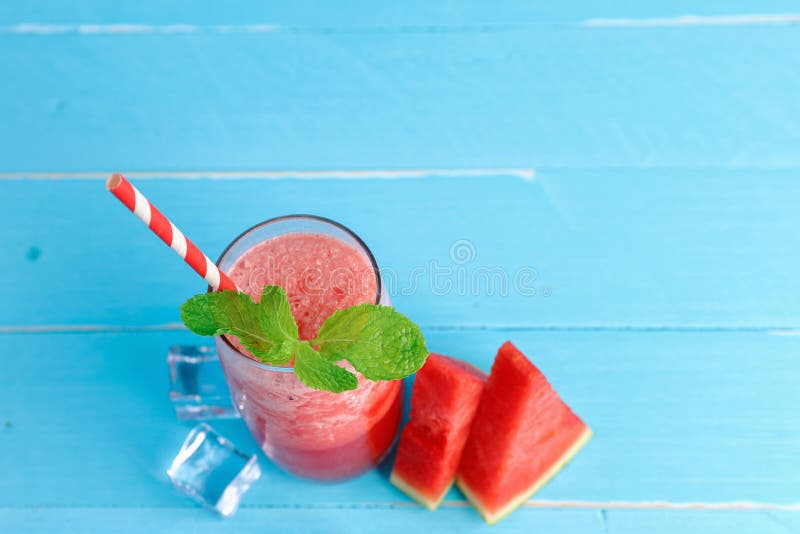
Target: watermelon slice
[(523, 433), (446, 394)]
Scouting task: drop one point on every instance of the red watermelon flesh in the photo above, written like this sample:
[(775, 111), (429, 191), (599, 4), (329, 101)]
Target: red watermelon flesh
[(523, 433), (446, 394)]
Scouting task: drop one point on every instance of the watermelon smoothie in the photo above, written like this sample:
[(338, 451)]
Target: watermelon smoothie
[(323, 267)]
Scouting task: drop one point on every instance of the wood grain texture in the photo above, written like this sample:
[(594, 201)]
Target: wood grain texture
[(572, 97), (678, 417), (655, 249)]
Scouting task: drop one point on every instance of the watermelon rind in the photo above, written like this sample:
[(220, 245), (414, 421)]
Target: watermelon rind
[(403, 486), (516, 502)]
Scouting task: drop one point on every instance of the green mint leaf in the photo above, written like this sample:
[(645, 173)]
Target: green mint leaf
[(227, 312), (274, 304), (281, 353), (266, 329), (318, 373), (381, 343)]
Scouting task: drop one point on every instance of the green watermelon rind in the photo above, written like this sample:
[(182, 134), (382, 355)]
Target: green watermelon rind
[(516, 502), (409, 490)]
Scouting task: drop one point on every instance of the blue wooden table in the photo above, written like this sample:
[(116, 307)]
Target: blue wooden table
[(645, 164)]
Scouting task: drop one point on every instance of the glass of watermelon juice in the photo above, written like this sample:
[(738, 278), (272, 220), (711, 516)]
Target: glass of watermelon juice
[(323, 267)]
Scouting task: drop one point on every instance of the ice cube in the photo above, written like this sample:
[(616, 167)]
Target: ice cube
[(197, 384), (210, 470)]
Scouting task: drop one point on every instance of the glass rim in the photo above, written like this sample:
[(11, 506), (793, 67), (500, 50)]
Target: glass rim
[(292, 217)]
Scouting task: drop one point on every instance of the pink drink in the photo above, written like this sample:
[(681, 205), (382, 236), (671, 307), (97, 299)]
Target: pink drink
[(322, 267)]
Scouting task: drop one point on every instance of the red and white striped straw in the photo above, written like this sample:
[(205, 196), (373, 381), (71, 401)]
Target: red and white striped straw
[(169, 234)]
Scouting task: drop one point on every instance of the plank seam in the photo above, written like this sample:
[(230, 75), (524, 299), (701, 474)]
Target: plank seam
[(526, 174), (110, 328), (32, 28), (748, 19), (695, 20), (589, 505)]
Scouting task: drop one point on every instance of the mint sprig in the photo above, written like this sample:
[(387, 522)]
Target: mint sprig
[(379, 342), (317, 372), (262, 328)]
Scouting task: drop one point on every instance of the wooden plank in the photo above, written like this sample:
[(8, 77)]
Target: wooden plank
[(637, 521), (545, 97), (259, 520), (692, 249), (351, 13), (704, 418)]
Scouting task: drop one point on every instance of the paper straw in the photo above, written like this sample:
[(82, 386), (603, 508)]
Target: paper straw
[(169, 234)]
